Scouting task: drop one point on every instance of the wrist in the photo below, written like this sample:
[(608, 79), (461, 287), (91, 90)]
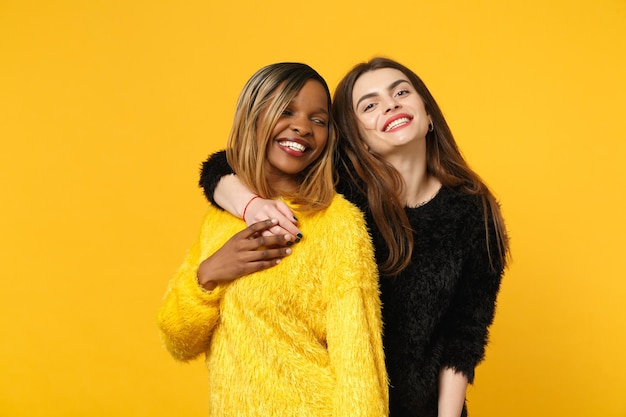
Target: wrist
[(245, 208), (209, 285), (203, 277)]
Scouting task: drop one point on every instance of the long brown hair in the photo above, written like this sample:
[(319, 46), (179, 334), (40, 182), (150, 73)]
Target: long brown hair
[(269, 91), (444, 161)]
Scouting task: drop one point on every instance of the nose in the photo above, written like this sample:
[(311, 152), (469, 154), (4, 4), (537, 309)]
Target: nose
[(391, 104), (300, 125)]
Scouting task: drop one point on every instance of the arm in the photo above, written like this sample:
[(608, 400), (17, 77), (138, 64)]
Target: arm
[(473, 307), (222, 187), (189, 313), (452, 390), (244, 253), (354, 325), (232, 195)]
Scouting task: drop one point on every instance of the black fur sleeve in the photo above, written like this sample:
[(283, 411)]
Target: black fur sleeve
[(473, 306), (213, 169)]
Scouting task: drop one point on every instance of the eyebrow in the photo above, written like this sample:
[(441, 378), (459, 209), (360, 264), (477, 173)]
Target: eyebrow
[(391, 87), (323, 110)]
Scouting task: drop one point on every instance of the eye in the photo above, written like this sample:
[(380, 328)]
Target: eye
[(287, 112), (402, 93), (368, 107)]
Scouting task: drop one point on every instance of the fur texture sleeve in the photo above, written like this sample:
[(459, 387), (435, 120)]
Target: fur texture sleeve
[(473, 305), (213, 169), (188, 314)]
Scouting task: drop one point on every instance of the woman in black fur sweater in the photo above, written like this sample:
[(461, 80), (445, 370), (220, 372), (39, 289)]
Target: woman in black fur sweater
[(440, 240)]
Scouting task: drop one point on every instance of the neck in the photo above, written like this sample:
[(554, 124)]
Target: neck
[(419, 186), (282, 187)]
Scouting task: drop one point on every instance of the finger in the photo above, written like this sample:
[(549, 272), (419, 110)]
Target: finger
[(287, 222), (260, 265), (286, 211), (284, 227), (267, 259), (261, 209), (254, 260), (273, 241), (270, 254), (257, 228), (279, 231)]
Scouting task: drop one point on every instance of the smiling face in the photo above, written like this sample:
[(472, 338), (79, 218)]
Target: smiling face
[(299, 136), (391, 114)]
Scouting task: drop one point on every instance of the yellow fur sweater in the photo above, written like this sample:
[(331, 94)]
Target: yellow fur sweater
[(300, 339)]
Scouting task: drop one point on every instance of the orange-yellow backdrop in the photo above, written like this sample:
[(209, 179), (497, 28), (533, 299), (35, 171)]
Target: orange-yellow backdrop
[(107, 109)]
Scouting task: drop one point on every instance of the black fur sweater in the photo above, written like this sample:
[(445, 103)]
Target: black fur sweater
[(437, 312)]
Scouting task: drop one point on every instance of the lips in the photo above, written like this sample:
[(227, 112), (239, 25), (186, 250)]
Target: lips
[(294, 145), (396, 122)]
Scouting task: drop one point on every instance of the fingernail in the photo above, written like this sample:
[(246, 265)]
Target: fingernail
[(295, 218), (299, 235), (289, 243), (297, 240)]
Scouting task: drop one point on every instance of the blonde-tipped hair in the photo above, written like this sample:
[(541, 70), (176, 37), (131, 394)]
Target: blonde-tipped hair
[(269, 91)]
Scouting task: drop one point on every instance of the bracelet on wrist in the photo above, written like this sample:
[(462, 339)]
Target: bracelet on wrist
[(243, 216)]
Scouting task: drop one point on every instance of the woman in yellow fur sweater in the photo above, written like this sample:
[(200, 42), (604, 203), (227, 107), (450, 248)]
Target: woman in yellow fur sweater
[(302, 338)]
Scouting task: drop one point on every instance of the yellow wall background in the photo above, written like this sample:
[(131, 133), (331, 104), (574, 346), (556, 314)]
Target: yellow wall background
[(107, 109)]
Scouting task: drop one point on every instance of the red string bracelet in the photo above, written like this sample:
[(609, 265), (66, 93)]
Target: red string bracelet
[(246, 207)]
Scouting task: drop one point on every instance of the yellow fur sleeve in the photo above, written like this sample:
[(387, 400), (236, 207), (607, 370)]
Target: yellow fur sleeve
[(189, 314)]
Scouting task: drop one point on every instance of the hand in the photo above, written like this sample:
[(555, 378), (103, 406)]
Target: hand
[(246, 252), (261, 209)]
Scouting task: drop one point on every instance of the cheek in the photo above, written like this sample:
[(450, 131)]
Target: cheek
[(368, 137), (321, 134), (367, 123)]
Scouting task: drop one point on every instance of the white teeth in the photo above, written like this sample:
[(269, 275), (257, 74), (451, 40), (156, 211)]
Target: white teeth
[(397, 123), (293, 145)]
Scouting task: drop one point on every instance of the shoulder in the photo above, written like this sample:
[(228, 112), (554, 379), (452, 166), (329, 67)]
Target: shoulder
[(340, 238), (474, 221), (214, 214), (343, 213), (453, 216), (454, 199), (340, 223), (219, 223), (453, 206)]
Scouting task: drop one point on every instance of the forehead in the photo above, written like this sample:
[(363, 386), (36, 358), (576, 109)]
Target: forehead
[(376, 81), (312, 94)]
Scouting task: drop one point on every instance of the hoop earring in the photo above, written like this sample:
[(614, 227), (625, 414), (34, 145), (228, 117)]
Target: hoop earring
[(431, 127)]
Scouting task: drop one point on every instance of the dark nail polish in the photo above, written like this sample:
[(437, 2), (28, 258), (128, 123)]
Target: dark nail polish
[(295, 218), (299, 235), (289, 243), (297, 240)]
